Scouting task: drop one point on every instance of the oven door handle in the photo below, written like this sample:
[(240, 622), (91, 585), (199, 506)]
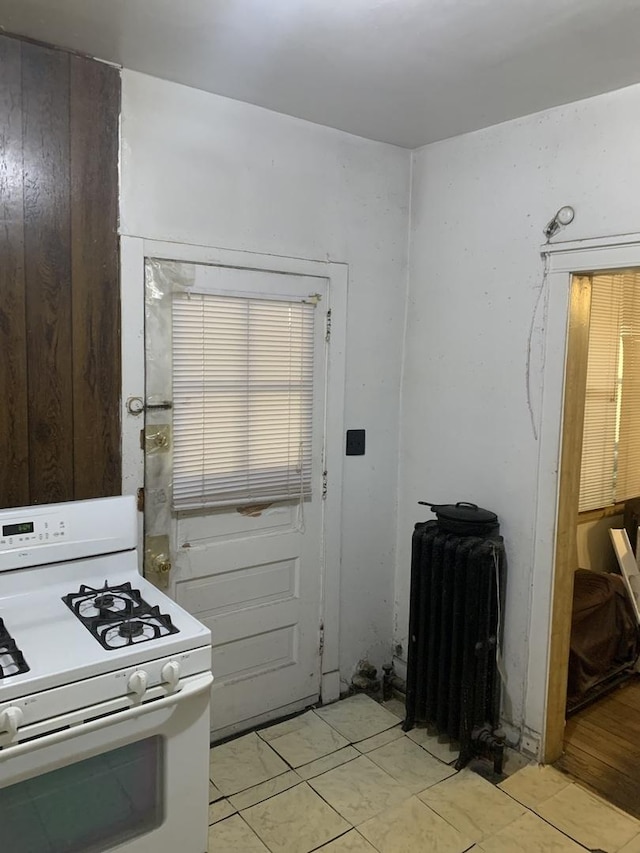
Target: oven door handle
[(194, 688)]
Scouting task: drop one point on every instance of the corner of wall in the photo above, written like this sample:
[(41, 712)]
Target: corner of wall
[(398, 651)]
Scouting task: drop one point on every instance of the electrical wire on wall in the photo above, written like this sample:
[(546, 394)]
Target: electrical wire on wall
[(541, 291), (499, 656), (563, 217)]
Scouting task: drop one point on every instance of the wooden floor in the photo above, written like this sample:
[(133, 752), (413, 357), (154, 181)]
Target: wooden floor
[(602, 747)]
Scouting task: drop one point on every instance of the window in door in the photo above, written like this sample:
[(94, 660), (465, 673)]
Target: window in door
[(242, 398)]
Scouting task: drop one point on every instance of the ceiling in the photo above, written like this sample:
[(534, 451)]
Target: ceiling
[(401, 71)]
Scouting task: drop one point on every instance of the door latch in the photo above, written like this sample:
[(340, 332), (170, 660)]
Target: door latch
[(136, 405)]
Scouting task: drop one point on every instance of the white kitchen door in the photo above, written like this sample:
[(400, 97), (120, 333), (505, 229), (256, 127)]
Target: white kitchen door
[(235, 364)]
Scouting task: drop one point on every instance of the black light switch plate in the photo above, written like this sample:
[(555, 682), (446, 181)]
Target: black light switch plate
[(355, 442)]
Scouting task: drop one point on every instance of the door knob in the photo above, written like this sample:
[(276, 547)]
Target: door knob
[(161, 566)]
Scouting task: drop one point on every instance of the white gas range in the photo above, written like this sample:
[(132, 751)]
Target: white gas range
[(104, 690)]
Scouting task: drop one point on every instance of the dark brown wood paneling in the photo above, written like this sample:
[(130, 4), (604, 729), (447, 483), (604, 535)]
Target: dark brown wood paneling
[(95, 107), (14, 471), (59, 277), (45, 94)]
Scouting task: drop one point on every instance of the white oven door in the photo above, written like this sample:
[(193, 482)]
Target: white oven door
[(134, 780)]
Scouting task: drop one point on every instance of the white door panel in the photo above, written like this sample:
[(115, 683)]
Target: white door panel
[(195, 530), (253, 575)]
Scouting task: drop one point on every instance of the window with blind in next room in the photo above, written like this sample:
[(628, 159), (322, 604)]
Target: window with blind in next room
[(610, 471)]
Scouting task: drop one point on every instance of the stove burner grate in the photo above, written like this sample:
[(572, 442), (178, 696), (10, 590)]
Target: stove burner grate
[(91, 603), (118, 616), (142, 626), (12, 660)]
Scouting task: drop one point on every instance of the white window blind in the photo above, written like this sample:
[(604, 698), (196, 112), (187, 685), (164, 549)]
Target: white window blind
[(242, 400), (610, 469)]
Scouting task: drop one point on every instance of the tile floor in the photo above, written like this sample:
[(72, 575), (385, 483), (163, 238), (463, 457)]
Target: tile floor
[(346, 779)]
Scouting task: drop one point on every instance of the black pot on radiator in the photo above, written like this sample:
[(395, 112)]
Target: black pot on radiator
[(458, 570), (465, 518)]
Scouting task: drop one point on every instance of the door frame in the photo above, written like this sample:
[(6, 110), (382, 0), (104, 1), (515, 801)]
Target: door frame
[(566, 334), (133, 251)]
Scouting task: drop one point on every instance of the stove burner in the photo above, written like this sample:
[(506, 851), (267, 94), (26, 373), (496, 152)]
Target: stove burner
[(90, 603), (12, 660), (116, 633), (118, 616), (132, 628)]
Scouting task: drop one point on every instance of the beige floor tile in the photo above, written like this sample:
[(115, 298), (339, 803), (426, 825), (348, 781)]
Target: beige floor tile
[(296, 821), (234, 836), (395, 706), (304, 739), (379, 740), (588, 819), (214, 793), (352, 842), (632, 847), (248, 798), (359, 790), (357, 717), (514, 761), (438, 745), (410, 765), (411, 827), (280, 729), (220, 810), (471, 804), (323, 765), (534, 784), (529, 834), (243, 763)]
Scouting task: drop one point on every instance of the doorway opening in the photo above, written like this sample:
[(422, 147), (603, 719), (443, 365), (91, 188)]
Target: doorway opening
[(593, 714)]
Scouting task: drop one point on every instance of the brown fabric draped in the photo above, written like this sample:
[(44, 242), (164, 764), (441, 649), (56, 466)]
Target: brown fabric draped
[(604, 631)]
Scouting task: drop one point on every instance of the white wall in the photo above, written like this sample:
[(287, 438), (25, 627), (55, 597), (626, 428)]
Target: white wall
[(479, 203), (198, 168)]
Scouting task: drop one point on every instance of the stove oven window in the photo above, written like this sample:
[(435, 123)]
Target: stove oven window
[(87, 807)]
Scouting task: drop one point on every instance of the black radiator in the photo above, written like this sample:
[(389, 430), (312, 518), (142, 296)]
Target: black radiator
[(457, 585)]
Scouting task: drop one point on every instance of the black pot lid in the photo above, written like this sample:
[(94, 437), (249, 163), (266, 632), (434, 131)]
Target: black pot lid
[(462, 511)]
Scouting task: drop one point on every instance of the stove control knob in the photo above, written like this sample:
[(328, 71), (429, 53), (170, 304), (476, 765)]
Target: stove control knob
[(10, 720), (138, 682), (171, 674)]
